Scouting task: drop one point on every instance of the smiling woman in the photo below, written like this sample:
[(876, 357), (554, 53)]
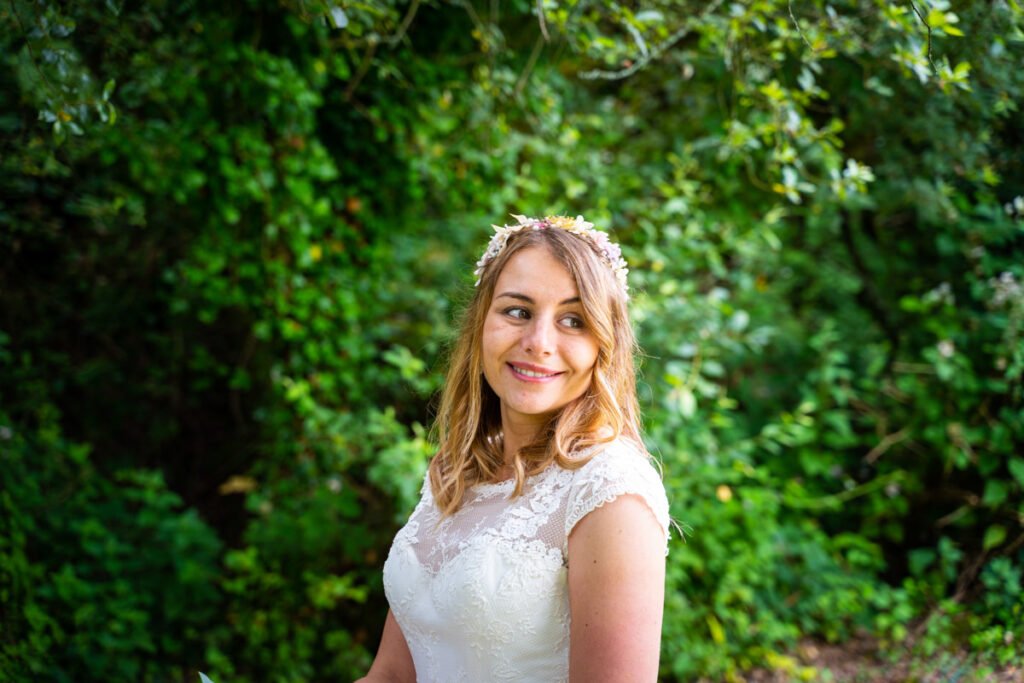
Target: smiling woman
[(538, 353), (537, 551)]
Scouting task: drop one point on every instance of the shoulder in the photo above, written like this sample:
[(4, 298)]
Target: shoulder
[(620, 465), (621, 455), (616, 566), (617, 469)]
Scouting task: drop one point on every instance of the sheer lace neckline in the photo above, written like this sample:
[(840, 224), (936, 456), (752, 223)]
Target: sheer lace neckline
[(492, 487)]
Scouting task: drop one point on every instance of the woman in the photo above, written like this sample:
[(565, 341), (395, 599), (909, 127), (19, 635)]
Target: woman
[(537, 551)]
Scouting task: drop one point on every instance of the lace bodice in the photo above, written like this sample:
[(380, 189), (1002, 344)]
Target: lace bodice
[(482, 595)]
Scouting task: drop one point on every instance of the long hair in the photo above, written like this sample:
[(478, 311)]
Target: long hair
[(468, 424)]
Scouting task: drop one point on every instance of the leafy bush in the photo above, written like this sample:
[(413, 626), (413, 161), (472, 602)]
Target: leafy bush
[(105, 574), (230, 236)]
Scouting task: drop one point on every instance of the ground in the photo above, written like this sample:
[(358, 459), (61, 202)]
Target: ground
[(863, 661)]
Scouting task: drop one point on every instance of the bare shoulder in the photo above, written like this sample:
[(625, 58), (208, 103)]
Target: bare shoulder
[(619, 485), (616, 593), (625, 525)]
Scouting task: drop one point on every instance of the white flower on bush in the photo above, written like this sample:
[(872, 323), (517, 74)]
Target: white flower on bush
[(943, 293), (1015, 207), (853, 179), (1007, 289)]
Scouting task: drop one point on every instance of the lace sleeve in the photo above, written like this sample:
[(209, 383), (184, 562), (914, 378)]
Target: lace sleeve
[(618, 470)]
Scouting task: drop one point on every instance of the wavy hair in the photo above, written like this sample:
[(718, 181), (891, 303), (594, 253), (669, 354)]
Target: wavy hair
[(468, 423)]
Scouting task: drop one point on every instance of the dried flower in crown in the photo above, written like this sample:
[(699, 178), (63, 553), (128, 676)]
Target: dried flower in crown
[(610, 251)]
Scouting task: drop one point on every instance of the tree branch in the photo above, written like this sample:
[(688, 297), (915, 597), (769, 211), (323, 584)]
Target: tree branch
[(404, 26), (658, 50), (364, 66), (32, 55), (885, 444), (530, 63), (924, 20), (798, 28)]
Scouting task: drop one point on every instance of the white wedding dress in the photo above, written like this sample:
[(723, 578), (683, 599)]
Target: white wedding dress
[(482, 595)]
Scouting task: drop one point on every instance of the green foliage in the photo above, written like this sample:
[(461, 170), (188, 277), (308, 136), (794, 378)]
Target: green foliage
[(105, 574), (230, 236)]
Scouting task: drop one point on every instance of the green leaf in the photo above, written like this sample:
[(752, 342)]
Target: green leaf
[(996, 491), (920, 559), (687, 402), (994, 535), (337, 16), (650, 16), (1016, 466)]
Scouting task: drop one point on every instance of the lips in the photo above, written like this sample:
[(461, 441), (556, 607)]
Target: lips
[(533, 373)]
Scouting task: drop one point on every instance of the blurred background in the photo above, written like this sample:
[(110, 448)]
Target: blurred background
[(234, 237)]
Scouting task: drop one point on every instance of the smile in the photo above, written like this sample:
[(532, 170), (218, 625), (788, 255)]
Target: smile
[(532, 375)]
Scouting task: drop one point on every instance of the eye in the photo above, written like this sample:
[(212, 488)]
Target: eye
[(574, 321), (517, 312)]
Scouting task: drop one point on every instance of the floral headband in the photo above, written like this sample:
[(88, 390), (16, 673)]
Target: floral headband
[(610, 252)]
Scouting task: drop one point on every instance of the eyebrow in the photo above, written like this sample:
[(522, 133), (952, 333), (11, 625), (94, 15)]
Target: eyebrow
[(523, 297)]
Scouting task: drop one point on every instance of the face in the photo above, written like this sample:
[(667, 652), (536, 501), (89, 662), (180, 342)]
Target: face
[(538, 354)]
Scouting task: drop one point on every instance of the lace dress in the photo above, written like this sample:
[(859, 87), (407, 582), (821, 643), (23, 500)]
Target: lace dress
[(483, 595)]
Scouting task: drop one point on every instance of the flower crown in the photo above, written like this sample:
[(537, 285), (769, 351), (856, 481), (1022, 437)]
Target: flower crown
[(610, 252)]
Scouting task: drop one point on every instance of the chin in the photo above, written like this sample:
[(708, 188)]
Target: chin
[(539, 411)]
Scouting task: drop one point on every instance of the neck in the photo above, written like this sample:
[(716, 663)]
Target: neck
[(513, 440), (518, 433)]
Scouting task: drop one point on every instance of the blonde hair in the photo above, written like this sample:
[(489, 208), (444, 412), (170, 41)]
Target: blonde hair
[(468, 424)]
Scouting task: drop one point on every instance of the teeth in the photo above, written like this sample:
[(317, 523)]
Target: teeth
[(531, 373)]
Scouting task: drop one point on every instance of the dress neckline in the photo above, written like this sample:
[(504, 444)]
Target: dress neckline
[(494, 486), (506, 485)]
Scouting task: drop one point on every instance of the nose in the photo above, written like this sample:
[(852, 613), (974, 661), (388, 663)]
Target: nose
[(539, 337)]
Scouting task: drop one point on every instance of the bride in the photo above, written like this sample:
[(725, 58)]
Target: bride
[(537, 550)]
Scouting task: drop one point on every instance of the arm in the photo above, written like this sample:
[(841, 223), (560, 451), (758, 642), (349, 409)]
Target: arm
[(616, 593), (393, 663)]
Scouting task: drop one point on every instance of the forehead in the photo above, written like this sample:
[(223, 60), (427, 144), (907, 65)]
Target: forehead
[(536, 272)]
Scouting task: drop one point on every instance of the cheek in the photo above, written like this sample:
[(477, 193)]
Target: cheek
[(493, 342), (586, 357)]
